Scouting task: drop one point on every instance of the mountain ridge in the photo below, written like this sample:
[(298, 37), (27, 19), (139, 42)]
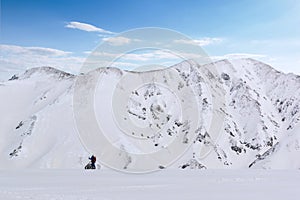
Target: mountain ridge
[(262, 114)]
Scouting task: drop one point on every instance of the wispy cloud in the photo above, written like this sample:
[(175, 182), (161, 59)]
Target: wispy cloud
[(137, 56), (200, 42), (13, 49), (140, 58), (239, 56), (118, 41), (87, 27)]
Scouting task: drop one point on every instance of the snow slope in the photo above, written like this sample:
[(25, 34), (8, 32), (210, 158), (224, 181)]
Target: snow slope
[(37, 128), (261, 127), (167, 184)]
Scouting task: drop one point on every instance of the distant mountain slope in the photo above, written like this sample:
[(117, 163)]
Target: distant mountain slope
[(261, 128), (262, 111)]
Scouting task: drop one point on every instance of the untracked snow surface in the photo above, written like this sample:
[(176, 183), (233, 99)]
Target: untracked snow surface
[(166, 184)]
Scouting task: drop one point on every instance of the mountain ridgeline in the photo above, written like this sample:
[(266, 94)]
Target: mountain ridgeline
[(261, 128)]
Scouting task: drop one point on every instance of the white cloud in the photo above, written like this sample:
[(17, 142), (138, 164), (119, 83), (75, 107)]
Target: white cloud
[(119, 41), (87, 27), (152, 55), (47, 51), (15, 59), (33, 50), (200, 42), (148, 56), (238, 56), (133, 59), (136, 56)]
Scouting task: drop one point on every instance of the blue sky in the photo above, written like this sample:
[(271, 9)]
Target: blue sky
[(62, 31)]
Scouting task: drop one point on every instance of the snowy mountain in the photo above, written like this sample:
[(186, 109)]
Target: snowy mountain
[(261, 127)]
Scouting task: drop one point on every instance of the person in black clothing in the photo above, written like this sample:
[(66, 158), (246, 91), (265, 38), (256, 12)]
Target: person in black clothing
[(93, 161), (91, 165)]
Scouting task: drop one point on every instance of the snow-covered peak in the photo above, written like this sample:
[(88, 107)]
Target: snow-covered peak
[(43, 71)]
